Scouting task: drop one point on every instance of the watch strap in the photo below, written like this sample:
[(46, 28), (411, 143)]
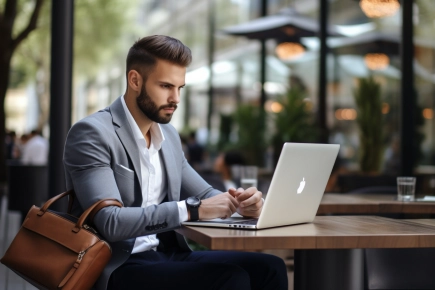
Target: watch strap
[(194, 213)]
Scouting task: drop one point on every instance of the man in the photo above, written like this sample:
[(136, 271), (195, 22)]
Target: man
[(35, 150), (129, 152), (224, 166)]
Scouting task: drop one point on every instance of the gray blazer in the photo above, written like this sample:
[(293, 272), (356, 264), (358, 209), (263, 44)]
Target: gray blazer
[(98, 150)]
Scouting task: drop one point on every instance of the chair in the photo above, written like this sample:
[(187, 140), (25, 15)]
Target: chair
[(399, 269), (28, 185), (352, 182), (375, 189)]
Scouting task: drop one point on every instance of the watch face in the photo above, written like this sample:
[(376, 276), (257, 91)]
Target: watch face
[(193, 201)]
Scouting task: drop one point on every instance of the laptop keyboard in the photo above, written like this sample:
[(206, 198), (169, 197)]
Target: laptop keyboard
[(247, 222)]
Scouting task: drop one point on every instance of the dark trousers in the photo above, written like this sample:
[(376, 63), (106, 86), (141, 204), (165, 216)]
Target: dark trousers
[(200, 270)]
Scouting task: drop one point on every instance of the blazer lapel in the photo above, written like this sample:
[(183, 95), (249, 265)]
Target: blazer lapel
[(126, 135)]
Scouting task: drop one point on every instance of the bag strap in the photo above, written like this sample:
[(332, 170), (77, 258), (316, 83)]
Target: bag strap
[(98, 205), (91, 211), (71, 199)]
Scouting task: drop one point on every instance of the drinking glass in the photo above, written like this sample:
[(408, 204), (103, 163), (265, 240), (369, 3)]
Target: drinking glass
[(405, 188), (248, 176)]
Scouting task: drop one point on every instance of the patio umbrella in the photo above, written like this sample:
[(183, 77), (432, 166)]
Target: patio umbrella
[(370, 42), (288, 25)]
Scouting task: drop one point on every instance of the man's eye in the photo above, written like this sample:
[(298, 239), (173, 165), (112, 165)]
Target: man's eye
[(166, 86)]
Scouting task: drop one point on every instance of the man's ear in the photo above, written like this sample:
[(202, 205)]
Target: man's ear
[(134, 80)]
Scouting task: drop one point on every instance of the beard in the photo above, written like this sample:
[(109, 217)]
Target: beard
[(151, 110)]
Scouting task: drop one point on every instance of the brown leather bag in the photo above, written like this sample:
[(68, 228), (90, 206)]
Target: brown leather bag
[(55, 250)]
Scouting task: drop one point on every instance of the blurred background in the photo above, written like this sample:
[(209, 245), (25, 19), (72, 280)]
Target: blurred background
[(264, 72), (359, 73)]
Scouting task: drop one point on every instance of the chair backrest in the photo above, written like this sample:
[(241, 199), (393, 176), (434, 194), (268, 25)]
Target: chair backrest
[(28, 185), (375, 189), (351, 182)]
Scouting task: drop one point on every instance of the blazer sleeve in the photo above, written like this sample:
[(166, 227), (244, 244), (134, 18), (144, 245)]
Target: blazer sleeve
[(88, 158)]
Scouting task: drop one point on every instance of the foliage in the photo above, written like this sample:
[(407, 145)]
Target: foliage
[(225, 128), (294, 123), (96, 40), (98, 33), (13, 32), (98, 28), (369, 119), (251, 141), (418, 135)]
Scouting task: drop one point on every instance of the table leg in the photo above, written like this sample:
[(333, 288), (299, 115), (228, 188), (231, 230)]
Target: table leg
[(329, 269)]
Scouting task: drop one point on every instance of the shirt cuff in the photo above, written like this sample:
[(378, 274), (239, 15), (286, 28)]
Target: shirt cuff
[(182, 211)]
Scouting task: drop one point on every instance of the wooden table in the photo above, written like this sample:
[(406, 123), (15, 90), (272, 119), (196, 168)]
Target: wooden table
[(326, 232), (331, 233), (430, 223), (335, 203)]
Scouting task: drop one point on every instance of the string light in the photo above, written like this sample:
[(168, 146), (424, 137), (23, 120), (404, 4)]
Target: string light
[(379, 8)]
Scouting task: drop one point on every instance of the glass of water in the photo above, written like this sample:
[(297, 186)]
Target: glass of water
[(406, 188), (248, 176)]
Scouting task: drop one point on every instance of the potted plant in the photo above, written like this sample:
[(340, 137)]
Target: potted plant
[(248, 120), (369, 119), (294, 122)]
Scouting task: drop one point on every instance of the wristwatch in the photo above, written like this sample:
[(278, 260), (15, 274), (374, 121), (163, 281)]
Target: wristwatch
[(193, 204)]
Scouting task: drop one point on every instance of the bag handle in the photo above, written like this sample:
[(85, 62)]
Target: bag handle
[(101, 204), (49, 202), (96, 206), (91, 211)]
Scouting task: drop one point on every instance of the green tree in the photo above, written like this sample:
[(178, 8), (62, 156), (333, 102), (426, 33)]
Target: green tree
[(12, 34), (96, 43), (98, 40)]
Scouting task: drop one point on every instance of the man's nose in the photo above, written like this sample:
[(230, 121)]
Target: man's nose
[(175, 96)]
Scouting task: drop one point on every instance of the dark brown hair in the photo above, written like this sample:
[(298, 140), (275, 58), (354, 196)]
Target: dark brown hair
[(145, 52)]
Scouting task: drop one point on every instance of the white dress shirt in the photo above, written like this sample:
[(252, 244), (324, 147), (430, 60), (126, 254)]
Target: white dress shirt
[(153, 185), (35, 151)]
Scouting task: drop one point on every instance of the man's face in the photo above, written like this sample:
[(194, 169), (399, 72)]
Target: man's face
[(160, 92)]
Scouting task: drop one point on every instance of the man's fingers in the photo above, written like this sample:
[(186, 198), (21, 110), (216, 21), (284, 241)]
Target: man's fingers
[(232, 191), (236, 192), (219, 206), (248, 198), (252, 206)]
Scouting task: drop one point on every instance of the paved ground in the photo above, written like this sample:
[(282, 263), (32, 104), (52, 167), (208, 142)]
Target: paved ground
[(9, 225)]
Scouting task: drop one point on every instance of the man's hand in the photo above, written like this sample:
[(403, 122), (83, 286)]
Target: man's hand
[(219, 206), (250, 201)]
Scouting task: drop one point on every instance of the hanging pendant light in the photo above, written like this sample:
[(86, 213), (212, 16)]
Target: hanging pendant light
[(289, 50), (376, 61), (379, 8)]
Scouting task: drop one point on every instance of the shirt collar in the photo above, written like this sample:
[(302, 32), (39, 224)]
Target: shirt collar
[(157, 136)]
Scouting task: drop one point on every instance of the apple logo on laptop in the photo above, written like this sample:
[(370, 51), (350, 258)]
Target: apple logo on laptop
[(301, 186)]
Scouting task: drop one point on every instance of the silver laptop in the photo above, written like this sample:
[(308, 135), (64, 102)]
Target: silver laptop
[(295, 192)]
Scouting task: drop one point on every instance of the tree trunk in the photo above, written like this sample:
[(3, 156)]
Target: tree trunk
[(43, 93)]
